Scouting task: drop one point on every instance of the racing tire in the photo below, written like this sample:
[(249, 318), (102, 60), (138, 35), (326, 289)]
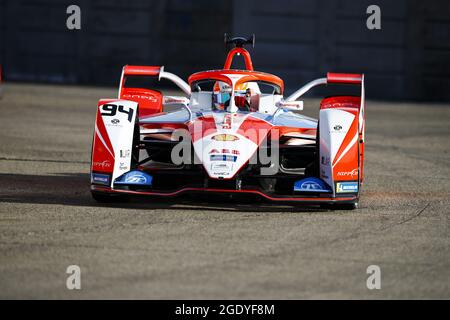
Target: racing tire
[(339, 206), (347, 206), (109, 198)]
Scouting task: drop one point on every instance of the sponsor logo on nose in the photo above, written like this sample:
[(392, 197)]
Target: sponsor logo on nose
[(225, 137)]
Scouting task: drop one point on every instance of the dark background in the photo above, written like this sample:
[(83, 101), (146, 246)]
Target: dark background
[(409, 58)]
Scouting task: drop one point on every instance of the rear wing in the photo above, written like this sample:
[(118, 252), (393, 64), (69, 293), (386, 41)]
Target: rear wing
[(332, 78), (152, 71), (337, 78), (345, 78)]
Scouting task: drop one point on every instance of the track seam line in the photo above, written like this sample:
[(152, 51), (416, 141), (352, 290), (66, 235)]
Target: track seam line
[(407, 219)]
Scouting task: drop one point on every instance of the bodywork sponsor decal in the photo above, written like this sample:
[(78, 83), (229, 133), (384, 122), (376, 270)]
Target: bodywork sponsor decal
[(232, 151), (347, 187), (105, 164), (353, 173), (225, 137), (223, 157), (125, 153), (99, 178), (221, 169)]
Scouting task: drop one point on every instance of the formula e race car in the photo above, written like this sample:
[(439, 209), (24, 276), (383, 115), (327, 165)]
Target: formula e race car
[(232, 132)]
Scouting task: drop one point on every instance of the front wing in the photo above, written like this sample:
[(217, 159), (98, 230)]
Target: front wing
[(266, 196)]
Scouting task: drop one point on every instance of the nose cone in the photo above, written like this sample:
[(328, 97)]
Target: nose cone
[(223, 155), (225, 142)]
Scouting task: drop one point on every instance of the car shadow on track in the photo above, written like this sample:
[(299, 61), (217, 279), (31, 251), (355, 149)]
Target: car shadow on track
[(72, 189)]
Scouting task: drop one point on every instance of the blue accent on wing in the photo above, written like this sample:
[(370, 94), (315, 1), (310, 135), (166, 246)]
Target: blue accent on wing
[(311, 184), (134, 177)]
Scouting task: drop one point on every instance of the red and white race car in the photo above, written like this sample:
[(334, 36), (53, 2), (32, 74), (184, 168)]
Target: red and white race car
[(232, 132)]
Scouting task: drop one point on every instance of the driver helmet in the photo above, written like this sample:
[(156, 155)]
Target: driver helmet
[(221, 95), (247, 96)]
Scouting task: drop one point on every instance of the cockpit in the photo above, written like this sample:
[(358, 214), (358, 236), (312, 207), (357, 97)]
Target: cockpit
[(234, 93)]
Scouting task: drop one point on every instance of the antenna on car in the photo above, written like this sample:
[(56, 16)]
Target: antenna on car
[(239, 42)]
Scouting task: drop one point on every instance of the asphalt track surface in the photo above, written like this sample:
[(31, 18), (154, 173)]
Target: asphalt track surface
[(194, 248)]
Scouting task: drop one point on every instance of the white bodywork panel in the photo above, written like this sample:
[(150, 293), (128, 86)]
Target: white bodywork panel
[(201, 101), (331, 139), (120, 127), (267, 103), (223, 159)]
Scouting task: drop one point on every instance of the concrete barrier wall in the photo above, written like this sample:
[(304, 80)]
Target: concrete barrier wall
[(409, 58)]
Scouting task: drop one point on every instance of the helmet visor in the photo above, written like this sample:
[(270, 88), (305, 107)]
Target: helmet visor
[(222, 98)]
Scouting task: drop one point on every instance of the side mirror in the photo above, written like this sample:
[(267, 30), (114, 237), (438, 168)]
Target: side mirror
[(290, 105)]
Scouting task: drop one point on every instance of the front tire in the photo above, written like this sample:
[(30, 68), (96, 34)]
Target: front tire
[(339, 206), (347, 206), (104, 197)]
